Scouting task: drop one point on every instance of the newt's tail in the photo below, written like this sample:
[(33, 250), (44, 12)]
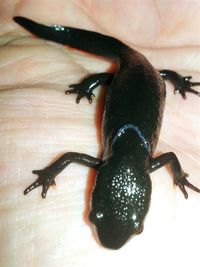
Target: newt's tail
[(88, 41)]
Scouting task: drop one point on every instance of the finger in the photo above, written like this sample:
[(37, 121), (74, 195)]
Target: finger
[(71, 91), (78, 99), (182, 188), (36, 172), (31, 187), (44, 190), (193, 91)]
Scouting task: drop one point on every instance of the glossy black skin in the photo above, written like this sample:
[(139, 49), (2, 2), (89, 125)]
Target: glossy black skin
[(131, 126)]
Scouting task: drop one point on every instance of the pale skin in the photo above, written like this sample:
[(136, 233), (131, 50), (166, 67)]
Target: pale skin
[(39, 123)]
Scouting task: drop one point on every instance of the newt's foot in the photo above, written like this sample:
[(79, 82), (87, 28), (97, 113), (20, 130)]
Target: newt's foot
[(45, 180), (185, 86), (181, 84), (82, 91), (182, 182)]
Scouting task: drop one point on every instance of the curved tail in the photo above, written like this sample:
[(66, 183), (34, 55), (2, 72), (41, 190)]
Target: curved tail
[(88, 41)]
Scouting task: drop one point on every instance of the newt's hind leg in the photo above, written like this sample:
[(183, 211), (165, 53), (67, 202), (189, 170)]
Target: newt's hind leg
[(86, 87), (182, 84)]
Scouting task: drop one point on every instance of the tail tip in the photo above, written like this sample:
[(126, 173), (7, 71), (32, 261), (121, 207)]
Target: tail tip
[(20, 20), (17, 18)]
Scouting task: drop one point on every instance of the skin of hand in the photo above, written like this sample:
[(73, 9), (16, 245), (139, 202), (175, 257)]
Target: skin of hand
[(39, 123)]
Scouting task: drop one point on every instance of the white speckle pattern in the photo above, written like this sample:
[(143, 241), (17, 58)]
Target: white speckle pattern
[(59, 27)]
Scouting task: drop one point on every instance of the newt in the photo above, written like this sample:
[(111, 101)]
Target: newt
[(130, 130)]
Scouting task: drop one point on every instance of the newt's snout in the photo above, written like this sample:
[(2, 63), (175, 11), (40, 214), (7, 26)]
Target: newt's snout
[(117, 240), (114, 235)]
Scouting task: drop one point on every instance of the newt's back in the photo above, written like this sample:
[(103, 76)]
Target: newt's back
[(136, 96)]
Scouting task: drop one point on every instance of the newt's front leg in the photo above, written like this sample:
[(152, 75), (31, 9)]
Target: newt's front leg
[(180, 177), (47, 175)]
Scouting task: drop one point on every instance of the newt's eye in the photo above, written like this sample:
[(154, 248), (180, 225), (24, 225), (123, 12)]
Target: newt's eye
[(95, 217), (99, 215)]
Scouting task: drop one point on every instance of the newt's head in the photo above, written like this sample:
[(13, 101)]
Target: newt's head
[(120, 201)]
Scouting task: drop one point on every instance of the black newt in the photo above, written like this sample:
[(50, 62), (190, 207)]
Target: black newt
[(131, 126)]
